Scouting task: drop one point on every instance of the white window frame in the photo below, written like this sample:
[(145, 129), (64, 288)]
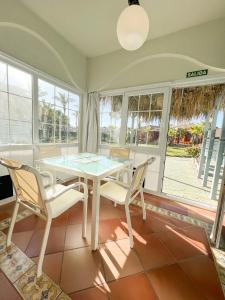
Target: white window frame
[(126, 93), (35, 75)]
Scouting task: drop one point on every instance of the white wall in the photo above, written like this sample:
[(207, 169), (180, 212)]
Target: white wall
[(26, 37), (164, 59)]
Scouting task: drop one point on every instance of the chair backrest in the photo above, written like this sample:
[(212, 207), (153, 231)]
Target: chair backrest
[(120, 152), (48, 151), (138, 178), (27, 184)]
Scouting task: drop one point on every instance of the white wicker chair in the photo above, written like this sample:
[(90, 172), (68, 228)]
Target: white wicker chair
[(123, 194), (46, 201)]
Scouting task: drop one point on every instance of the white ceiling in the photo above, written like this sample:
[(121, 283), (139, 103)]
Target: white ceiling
[(90, 25)]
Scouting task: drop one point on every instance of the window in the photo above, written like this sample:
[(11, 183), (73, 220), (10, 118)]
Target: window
[(144, 118), (15, 105), (58, 114), (110, 119)]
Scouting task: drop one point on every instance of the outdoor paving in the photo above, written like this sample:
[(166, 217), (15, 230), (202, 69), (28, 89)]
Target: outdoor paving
[(181, 179)]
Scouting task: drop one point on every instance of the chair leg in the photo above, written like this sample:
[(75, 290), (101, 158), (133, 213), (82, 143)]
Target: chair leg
[(143, 205), (129, 226), (84, 222), (12, 224), (43, 248), (115, 204)]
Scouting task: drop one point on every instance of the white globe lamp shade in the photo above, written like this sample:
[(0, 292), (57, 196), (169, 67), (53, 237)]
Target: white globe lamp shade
[(132, 27)]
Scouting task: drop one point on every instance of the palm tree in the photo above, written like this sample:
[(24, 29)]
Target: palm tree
[(197, 131)]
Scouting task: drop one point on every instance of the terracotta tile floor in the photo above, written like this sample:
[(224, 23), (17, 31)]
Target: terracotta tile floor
[(171, 260)]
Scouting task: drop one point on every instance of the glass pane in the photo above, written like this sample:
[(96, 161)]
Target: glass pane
[(105, 135), (157, 101), (153, 137), (133, 103), (144, 103), (131, 136), (155, 117), (61, 116), (114, 135), (61, 97), (20, 83), (105, 104), (60, 134), (116, 120), (3, 77), (132, 121), (4, 132), (144, 120), (73, 118), (142, 136), (4, 113), (117, 103), (46, 133), (45, 91), (74, 101), (105, 120), (20, 108), (20, 132), (46, 112), (73, 134)]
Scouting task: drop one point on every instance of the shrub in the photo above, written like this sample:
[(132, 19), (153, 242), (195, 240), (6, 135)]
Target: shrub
[(193, 151)]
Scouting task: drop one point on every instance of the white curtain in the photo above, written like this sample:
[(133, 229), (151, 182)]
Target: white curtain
[(90, 123)]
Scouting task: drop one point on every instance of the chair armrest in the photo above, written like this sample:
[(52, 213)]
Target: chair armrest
[(49, 175), (66, 189)]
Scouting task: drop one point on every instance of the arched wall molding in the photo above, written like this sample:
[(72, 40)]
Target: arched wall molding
[(158, 56), (47, 44)]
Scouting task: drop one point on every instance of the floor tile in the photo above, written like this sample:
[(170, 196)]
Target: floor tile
[(150, 225), (132, 288), (119, 260), (32, 288), (63, 296), (198, 236), (13, 263), (111, 230), (96, 293), (152, 252), (171, 283), (22, 239), (26, 224), (61, 220), (52, 265), (55, 241), (180, 245), (10, 292), (202, 272), (108, 211), (75, 214), (81, 269), (74, 237)]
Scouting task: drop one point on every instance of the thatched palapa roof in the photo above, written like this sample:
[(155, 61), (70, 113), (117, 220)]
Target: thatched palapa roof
[(187, 103), (194, 102)]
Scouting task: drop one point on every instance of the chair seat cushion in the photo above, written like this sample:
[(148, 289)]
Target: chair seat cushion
[(114, 192), (63, 202)]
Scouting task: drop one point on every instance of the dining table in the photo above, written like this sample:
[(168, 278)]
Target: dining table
[(90, 166)]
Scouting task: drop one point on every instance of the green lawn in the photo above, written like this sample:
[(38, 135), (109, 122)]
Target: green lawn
[(177, 151)]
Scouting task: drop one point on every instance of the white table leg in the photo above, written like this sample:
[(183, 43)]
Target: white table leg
[(95, 214)]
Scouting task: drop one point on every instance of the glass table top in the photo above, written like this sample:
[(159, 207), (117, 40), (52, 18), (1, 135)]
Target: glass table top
[(89, 163)]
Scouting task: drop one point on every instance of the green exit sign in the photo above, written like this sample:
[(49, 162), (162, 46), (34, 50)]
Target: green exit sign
[(197, 73)]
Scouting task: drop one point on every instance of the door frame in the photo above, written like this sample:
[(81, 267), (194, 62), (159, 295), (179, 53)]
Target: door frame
[(167, 87)]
